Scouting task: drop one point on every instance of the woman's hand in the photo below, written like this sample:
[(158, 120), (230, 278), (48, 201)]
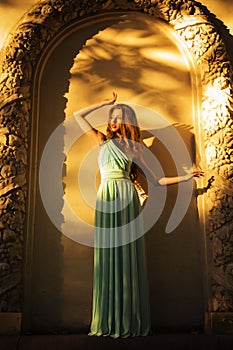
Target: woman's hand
[(80, 117), (193, 173), (110, 101)]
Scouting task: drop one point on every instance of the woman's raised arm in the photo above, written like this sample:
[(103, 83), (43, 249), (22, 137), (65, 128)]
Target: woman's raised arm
[(88, 129)]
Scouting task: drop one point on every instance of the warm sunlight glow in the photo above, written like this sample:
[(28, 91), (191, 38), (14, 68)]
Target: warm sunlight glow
[(169, 58), (131, 37), (218, 95), (149, 141), (155, 80), (210, 153), (217, 104), (5, 25), (10, 13)]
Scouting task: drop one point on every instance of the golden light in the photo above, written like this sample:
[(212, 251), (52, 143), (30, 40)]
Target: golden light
[(217, 104), (211, 153), (10, 14), (166, 57), (5, 22)]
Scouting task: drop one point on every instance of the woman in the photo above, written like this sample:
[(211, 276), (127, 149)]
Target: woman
[(120, 288)]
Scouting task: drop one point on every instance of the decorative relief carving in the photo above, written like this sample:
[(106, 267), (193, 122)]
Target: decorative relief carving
[(197, 28)]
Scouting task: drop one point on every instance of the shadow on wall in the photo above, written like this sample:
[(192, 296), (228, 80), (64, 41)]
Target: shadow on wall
[(136, 56), (138, 59), (175, 263)]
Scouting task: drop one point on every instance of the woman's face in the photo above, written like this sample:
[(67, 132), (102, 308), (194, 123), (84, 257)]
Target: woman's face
[(115, 120)]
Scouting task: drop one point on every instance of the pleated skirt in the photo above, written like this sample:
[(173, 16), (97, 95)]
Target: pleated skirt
[(120, 284)]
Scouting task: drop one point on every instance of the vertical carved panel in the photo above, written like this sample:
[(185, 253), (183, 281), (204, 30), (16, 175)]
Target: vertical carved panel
[(198, 30), (217, 125)]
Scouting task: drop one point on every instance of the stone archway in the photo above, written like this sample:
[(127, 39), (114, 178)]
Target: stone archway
[(199, 32)]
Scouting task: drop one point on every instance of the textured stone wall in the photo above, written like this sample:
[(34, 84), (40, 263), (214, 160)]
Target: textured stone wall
[(199, 31)]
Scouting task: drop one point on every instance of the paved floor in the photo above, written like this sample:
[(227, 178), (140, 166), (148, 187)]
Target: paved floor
[(84, 342)]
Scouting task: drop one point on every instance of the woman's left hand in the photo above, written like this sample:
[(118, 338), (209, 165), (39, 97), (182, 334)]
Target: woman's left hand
[(193, 173), (110, 101)]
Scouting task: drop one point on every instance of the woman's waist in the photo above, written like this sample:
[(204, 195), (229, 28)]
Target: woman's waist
[(114, 174)]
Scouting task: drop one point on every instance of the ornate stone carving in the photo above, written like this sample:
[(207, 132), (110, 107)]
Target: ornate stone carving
[(199, 32)]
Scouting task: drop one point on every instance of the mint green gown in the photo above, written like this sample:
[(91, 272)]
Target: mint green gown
[(120, 286)]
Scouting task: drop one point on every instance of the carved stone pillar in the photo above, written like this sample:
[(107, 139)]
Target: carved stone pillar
[(198, 30)]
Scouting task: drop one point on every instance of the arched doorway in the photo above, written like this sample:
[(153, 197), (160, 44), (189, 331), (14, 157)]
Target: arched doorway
[(60, 297)]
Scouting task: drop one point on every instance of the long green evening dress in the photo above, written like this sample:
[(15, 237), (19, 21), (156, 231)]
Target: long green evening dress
[(120, 287)]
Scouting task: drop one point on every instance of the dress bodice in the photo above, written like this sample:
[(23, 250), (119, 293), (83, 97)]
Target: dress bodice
[(113, 162)]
